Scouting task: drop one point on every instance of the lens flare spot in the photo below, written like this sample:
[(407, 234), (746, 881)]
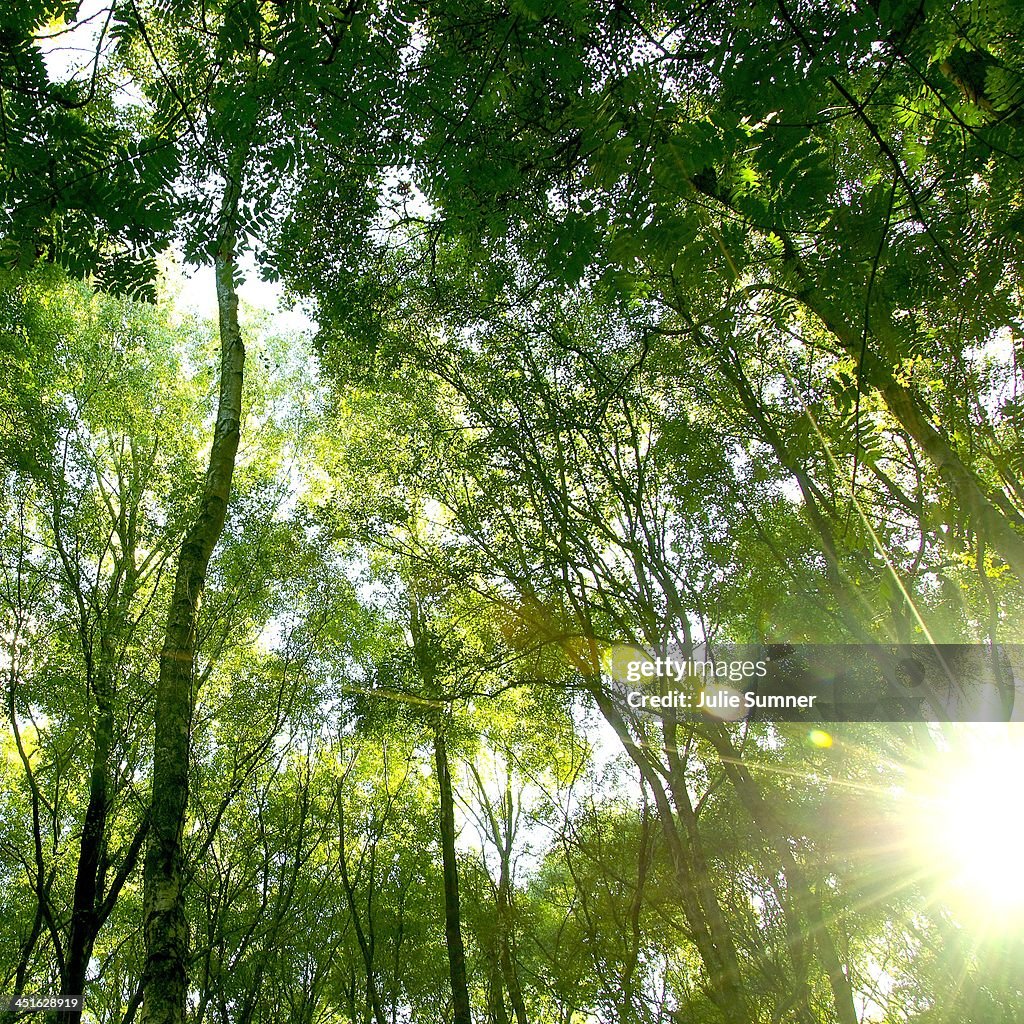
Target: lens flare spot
[(626, 663), (723, 702)]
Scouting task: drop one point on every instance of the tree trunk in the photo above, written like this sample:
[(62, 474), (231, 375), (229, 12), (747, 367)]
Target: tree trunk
[(450, 867), (799, 894), (374, 1007), (496, 1000), (84, 914), (709, 929), (506, 937), (452, 912), (166, 929)]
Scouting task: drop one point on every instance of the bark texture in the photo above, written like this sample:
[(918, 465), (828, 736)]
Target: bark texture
[(452, 914), (166, 929)]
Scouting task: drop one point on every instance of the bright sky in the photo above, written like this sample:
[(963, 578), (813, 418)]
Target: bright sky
[(199, 295), (70, 53), (67, 51)]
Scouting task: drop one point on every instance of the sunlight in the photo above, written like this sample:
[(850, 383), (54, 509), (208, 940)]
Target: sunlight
[(971, 827)]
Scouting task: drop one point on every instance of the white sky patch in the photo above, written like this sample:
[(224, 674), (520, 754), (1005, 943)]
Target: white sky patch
[(70, 53), (70, 50), (196, 293), (790, 489)]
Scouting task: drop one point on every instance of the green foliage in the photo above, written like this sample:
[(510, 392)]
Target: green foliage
[(637, 324)]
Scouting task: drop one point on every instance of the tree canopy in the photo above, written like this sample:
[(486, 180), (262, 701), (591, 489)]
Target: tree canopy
[(349, 671)]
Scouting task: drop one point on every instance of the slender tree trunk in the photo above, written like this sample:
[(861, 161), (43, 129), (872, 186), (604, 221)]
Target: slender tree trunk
[(799, 893), (498, 1012), (374, 1006), (515, 991), (643, 865), (166, 929), (718, 925), (984, 514), (452, 911), (503, 843), (708, 926), (85, 921), (450, 867)]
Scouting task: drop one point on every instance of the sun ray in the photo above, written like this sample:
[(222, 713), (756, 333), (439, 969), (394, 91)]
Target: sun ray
[(966, 820)]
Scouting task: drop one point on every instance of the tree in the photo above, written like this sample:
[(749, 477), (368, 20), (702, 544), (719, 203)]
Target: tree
[(728, 194), (640, 327), (225, 130), (96, 482)]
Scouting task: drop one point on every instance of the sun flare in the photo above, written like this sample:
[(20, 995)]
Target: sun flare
[(970, 830)]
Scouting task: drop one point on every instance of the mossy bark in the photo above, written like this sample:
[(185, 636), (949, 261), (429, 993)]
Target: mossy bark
[(166, 928)]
